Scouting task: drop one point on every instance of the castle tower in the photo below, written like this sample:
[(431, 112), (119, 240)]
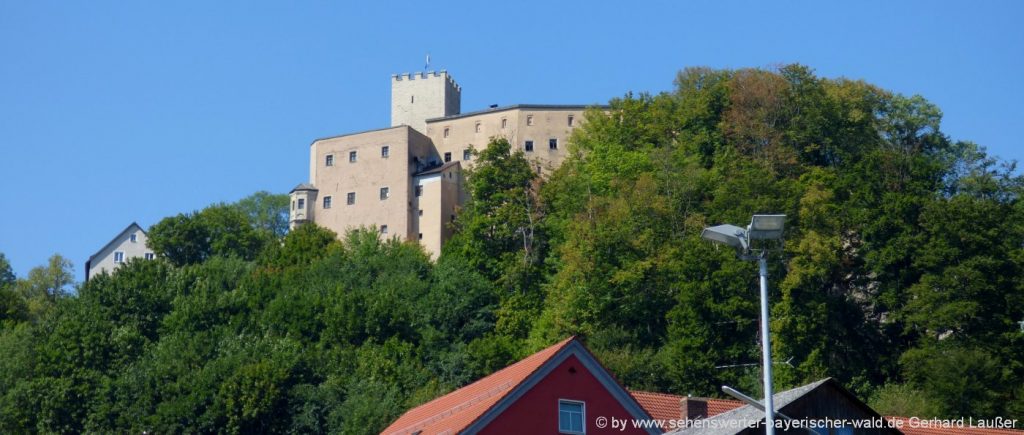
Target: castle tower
[(420, 96)]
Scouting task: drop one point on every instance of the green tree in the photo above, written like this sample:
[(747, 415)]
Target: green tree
[(266, 211), (218, 230), (6, 273)]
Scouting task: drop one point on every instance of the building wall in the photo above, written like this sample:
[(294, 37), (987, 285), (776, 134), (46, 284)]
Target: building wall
[(104, 260), (365, 177), (419, 96), (439, 202), (463, 133), (536, 412)]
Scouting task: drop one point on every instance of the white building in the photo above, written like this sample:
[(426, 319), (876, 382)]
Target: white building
[(129, 243)]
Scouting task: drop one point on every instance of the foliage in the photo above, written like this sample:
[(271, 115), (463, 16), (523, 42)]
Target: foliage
[(266, 211), (218, 230)]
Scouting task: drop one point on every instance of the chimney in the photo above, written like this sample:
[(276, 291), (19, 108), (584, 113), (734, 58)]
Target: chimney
[(693, 408)]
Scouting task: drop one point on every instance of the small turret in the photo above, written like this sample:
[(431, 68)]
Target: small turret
[(303, 198)]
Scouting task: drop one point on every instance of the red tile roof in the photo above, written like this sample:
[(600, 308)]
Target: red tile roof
[(663, 406), (660, 406), (910, 427), (460, 408), (718, 406)]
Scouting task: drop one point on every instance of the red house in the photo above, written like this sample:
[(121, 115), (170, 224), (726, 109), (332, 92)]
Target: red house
[(560, 390)]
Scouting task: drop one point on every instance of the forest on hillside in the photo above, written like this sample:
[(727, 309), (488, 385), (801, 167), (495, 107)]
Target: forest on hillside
[(900, 275)]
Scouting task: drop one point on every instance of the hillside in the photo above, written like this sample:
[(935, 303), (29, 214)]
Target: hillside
[(901, 276)]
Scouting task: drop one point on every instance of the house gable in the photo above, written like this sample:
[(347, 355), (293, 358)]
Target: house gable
[(572, 374)]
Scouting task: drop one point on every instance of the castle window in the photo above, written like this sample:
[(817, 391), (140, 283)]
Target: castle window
[(385, 151), (553, 144), (133, 238), (302, 203), (528, 146), (571, 417), (529, 119), (119, 257), (327, 202), (350, 198), (412, 99), (419, 190), (571, 119), (293, 205), (447, 157), (421, 212), (504, 122), (351, 156), (383, 229), (385, 193), (453, 218), (466, 154), (446, 131), (421, 236), (149, 255), (329, 160), (477, 127)]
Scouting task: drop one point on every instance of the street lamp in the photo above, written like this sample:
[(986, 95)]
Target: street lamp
[(762, 227)]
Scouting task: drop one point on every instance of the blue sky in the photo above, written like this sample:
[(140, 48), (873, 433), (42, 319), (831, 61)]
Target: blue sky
[(133, 111)]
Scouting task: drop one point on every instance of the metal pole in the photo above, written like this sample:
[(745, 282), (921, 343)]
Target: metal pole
[(766, 350)]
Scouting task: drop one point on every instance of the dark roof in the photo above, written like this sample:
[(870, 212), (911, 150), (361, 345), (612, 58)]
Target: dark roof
[(304, 186), (436, 169), (358, 132), (118, 236), (752, 414), (520, 106)]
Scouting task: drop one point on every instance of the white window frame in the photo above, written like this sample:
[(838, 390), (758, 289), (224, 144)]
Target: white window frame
[(329, 160), (134, 238), (553, 144), (352, 156), (302, 203), (447, 156), (149, 256), (385, 193), (383, 229), (528, 146), (467, 154), (583, 416), (118, 257), (328, 202)]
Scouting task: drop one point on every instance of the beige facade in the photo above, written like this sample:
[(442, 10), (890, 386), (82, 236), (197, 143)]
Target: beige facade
[(129, 243), (407, 180), (540, 131)]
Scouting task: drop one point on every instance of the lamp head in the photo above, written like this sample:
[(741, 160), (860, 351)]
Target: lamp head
[(726, 234), (766, 226)]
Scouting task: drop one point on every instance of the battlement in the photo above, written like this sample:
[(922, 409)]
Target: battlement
[(424, 75)]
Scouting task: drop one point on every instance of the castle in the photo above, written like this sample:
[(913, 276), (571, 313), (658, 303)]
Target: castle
[(406, 180)]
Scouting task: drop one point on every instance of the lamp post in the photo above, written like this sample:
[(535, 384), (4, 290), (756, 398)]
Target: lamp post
[(762, 227)]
